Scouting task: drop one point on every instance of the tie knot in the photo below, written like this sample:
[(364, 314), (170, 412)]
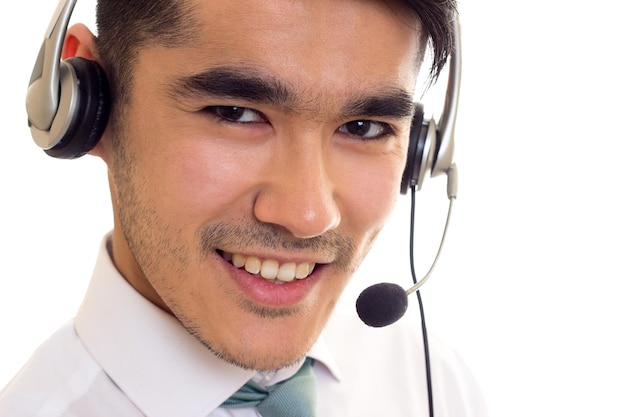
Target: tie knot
[(293, 397)]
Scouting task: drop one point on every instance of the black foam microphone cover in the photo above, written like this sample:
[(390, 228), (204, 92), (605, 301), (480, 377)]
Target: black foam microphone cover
[(382, 304)]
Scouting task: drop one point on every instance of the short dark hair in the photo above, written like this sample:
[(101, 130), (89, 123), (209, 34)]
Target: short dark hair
[(437, 17), (125, 26)]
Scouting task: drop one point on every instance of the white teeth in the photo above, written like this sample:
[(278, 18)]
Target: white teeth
[(302, 270), (287, 272), (270, 269), (253, 265), (238, 260)]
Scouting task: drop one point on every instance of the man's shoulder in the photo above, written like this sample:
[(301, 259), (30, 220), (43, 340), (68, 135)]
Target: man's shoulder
[(394, 358), (49, 371), (59, 379)]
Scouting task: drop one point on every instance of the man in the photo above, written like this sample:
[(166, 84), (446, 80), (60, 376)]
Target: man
[(255, 150)]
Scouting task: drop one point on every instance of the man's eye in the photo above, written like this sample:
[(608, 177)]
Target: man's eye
[(366, 129), (236, 114)]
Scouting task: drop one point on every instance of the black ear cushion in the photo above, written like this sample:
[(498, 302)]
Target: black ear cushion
[(415, 153), (92, 115)]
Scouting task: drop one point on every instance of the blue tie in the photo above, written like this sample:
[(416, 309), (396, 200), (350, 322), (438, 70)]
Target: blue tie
[(293, 397)]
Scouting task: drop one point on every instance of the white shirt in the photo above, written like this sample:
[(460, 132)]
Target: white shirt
[(124, 357)]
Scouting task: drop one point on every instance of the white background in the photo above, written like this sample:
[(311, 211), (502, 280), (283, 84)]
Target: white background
[(530, 286)]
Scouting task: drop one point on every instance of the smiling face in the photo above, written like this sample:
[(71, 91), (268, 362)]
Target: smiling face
[(258, 165)]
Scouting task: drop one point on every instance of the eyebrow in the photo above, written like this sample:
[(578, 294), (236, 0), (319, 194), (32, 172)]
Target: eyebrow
[(240, 84), (395, 103), (247, 84)]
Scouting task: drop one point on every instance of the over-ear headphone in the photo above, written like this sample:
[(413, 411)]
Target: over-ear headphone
[(67, 101), (68, 107), (431, 144)]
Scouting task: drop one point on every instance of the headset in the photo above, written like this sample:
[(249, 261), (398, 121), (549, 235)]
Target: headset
[(68, 108), (431, 143), (67, 101)]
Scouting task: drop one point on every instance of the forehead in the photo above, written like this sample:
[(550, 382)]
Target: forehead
[(278, 29), (315, 46)]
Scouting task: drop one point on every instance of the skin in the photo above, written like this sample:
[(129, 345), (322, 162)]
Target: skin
[(289, 180)]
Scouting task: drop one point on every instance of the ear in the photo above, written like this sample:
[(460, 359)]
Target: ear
[(79, 42)]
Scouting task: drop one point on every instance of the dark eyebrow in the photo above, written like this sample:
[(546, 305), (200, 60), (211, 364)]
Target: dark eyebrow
[(240, 84), (396, 103), (244, 83)]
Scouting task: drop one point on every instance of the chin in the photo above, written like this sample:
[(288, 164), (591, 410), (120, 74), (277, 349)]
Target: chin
[(261, 344), (271, 362), (261, 357)]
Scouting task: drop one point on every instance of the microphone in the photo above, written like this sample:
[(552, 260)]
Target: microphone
[(385, 303), (382, 304)]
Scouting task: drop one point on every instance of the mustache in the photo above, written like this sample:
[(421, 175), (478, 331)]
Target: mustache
[(331, 244)]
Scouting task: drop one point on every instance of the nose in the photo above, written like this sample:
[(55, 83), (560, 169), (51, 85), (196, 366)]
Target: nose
[(300, 194)]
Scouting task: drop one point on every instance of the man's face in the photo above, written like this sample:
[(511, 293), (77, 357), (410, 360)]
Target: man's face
[(276, 140)]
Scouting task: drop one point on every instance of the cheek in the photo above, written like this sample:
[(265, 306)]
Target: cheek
[(187, 172), (206, 181), (373, 192), (376, 201)]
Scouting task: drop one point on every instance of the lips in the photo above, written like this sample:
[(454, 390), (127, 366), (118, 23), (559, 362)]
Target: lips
[(270, 269)]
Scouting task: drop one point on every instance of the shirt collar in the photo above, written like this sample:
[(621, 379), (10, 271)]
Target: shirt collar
[(152, 358)]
